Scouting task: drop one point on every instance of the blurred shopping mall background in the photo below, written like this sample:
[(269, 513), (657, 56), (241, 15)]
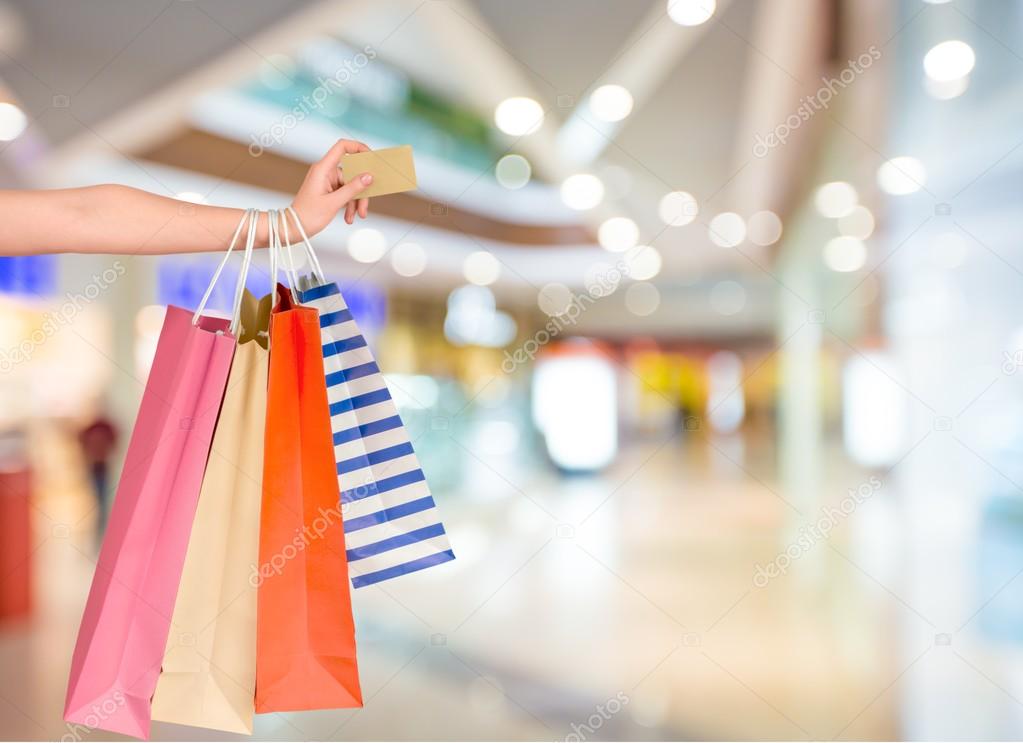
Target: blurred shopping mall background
[(706, 321)]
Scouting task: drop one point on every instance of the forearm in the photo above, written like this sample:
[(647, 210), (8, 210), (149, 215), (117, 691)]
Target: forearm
[(114, 219), (127, 221)]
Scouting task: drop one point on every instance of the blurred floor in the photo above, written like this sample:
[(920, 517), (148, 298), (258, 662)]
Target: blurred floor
[(635, 586)]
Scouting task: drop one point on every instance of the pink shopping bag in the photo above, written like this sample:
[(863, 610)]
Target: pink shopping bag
[(127, 617)]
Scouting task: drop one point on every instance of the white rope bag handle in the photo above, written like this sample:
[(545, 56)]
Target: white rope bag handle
[(314, 262), (274, 217), (289, 268), (239, 290), (246, 217)]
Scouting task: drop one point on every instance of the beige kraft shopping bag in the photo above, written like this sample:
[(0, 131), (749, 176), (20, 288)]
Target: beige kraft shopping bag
[(209, 668)]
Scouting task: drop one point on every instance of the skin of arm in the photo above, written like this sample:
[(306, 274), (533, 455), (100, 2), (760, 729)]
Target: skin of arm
[(122, 220)]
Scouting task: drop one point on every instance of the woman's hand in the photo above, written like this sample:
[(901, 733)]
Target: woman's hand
[(324, 192), (127, 221)]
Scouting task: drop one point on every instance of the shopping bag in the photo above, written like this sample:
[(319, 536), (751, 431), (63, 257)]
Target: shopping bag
[(124, 628), (392, 525), (209, 667), (305, 634)]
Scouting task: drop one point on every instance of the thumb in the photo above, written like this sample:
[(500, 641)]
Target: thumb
[(352, 189)]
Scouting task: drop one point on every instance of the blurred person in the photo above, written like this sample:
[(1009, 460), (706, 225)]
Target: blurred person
[(98, 440), (119, 219)]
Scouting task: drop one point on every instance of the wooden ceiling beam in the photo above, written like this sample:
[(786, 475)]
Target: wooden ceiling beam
[(213, 155)]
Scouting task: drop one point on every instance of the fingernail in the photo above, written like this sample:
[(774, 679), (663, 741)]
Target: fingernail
[(366, 179)]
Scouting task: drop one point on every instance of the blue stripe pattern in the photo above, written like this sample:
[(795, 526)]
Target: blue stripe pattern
[(367, 429), (402, 540), (374, 457), (354, 372), (382, 486), (394, 513), (319, 292), (347, 344), (335, 318), (368, 579), (359, 401), (389, 514)]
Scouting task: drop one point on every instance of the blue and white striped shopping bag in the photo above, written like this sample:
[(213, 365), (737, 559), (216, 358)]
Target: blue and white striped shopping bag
[(392, 526)]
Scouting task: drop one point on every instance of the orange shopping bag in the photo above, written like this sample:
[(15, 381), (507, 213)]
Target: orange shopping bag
[(305, 634)]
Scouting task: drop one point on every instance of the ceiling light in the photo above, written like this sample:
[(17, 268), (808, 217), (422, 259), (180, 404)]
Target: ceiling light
[(12, 122), (367, 245), (642, 299), (835, 199), (602, 279), (554, 299), (691, 12), (618, 234), (678, 208), (949, 60), (727, 230), (518, 116), (643, 262), (946, 90), (611, 102), (472, 319), (858, 223), (845, 254), (901, 175), (481, 268), (513, 171), (582, 191), (765, 228), (408, 259)]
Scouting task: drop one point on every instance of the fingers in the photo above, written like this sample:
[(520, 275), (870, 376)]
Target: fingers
[(350, 212), (326, 167), (348, 192), (343, 147), (363, 207), (334, 179)]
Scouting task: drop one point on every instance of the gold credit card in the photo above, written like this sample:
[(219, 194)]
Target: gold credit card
[(392, 168)]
